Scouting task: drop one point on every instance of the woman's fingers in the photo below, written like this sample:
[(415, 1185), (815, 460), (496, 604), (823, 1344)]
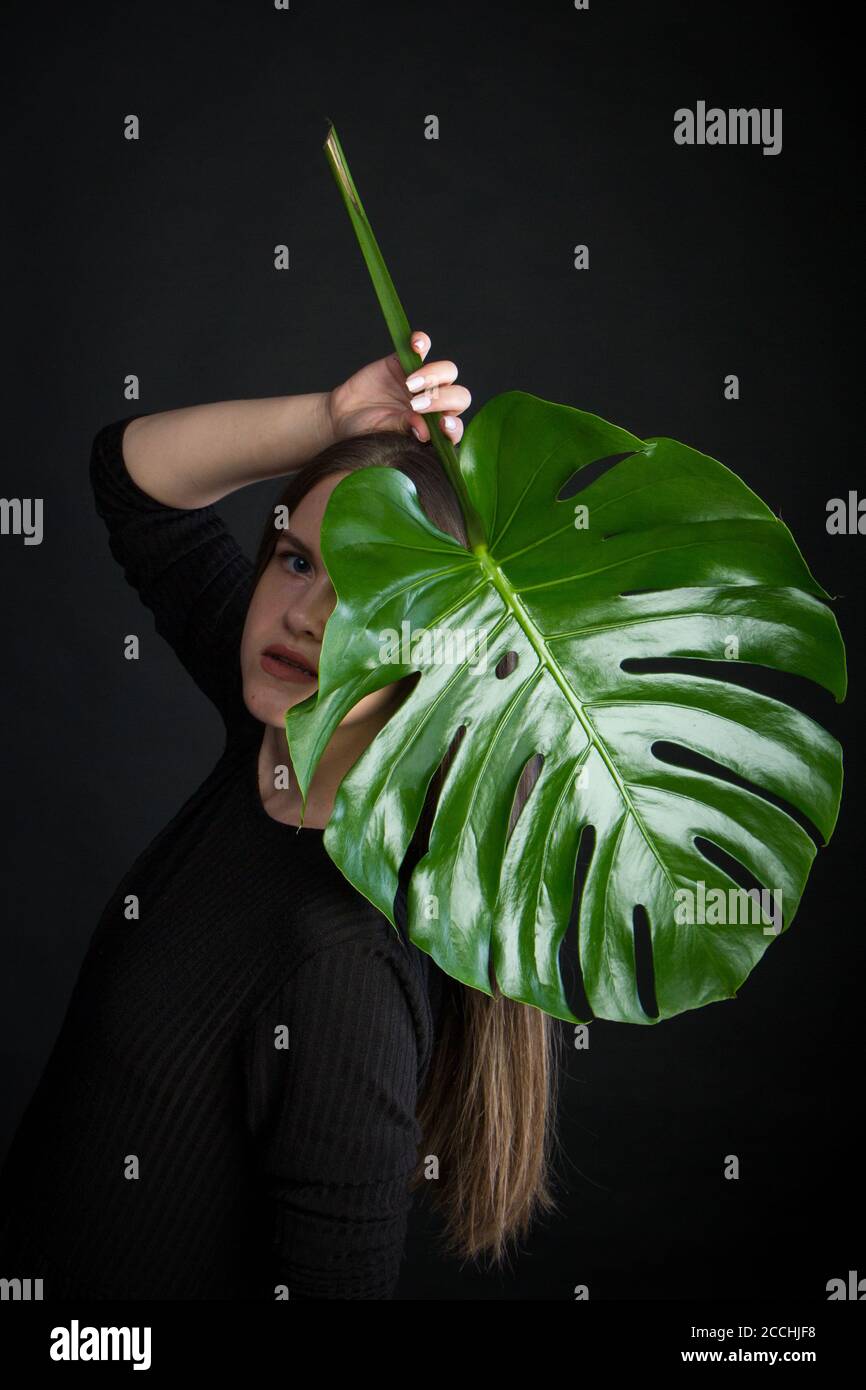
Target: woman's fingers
[(450, 425), (421, 344), (454, 399), (432, 374), (434, 391)]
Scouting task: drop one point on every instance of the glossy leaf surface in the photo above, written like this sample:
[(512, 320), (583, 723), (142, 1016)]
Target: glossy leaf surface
[(674, 557)]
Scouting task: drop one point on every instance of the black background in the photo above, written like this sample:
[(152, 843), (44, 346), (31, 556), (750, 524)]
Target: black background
[(155, 257)]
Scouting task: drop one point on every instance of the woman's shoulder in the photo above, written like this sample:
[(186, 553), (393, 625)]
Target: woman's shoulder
[(372, 946), (364, 980)]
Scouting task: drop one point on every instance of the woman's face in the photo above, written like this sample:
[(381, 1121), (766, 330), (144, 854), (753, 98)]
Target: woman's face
[(289, 608)]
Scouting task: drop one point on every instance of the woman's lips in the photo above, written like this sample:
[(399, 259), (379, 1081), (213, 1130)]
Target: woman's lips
[(281, 669)]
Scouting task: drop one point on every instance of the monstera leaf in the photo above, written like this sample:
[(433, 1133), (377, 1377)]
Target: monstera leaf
[(666, 554), (678, 787)]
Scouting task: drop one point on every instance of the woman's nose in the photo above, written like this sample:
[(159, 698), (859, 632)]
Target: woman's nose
[(310, 611)]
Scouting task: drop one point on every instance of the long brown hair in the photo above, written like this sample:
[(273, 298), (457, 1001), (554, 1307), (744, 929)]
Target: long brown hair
[(487, 1109)]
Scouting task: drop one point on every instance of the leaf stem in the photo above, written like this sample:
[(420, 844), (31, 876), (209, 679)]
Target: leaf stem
[(398, 327)]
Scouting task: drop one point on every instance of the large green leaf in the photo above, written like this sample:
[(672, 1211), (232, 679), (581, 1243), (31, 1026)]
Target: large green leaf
[(678, 557)]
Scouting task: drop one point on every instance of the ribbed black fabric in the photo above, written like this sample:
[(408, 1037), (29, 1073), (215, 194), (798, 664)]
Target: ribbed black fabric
[(175, 1147)]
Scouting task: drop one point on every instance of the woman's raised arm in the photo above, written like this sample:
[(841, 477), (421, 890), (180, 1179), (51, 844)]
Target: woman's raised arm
[(193, 456)]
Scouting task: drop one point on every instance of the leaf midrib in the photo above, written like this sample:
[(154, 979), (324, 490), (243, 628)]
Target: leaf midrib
[(516, 607)]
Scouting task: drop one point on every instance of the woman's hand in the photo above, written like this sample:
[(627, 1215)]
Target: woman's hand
[(378, 397)]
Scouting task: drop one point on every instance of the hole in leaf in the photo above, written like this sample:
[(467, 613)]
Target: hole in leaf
[(506, 664), (569, 947), (797, 691), (633, 593), (589, 474), (644, 971), (525, 784), (420, 842), (721, 859), (679, 756), (455, 742)]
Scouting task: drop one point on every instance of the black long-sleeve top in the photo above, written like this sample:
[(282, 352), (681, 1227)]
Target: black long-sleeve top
[(229, 1109)]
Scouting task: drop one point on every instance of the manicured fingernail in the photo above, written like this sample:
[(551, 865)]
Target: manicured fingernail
[(449, 422), (419, 345), (419, 402), (414, 383), (417, 435)]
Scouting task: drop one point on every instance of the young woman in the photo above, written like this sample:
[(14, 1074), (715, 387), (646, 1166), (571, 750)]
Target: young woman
[(251, 1055)]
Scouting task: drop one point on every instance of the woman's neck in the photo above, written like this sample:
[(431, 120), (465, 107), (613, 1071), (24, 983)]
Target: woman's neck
[(345, 746)]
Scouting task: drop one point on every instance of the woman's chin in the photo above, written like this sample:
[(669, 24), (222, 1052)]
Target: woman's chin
[(270, 705)]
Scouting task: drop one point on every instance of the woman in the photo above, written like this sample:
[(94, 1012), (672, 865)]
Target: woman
[(234, 1105)]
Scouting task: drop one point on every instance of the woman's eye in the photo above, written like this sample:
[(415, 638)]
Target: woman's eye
[(293, 555)]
